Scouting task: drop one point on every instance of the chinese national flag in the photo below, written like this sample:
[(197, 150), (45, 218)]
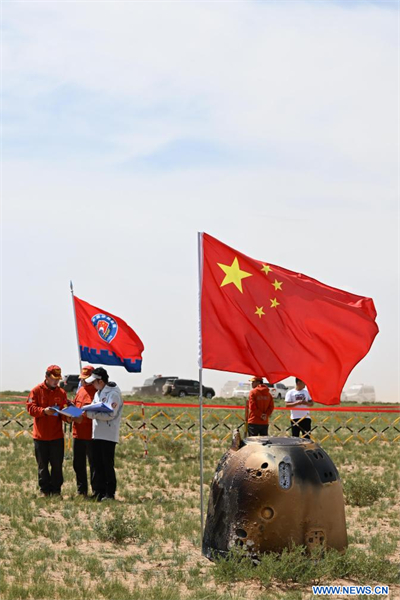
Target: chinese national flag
[(264, 320), (105, 339)]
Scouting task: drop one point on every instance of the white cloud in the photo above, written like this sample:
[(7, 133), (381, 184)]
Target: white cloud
[(304, 98), (244, 74)]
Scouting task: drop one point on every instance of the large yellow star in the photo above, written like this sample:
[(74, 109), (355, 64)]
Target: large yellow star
[(266, 269), (274, 303), (277, 285), (233, 274), (259, 311)]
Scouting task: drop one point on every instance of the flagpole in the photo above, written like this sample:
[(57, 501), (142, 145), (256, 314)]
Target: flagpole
[(200, 265), (76, 325)]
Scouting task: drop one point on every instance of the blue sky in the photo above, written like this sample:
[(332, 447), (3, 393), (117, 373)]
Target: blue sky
[(128, 127)]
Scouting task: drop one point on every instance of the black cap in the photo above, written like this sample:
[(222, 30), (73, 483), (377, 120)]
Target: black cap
[(98, 373)]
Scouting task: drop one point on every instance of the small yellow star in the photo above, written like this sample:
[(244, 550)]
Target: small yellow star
[(259, 311), (277, 285), (274, 303), (266, 269), (233, 274)]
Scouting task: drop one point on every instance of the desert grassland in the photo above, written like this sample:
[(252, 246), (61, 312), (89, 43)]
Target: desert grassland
[(147, 543)]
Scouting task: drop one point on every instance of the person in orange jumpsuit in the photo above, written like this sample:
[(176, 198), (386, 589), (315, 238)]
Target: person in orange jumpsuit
[(259, 407), (82, 433), (48, 435)]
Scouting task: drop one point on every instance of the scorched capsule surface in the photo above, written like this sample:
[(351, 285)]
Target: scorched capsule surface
[(269, 493)]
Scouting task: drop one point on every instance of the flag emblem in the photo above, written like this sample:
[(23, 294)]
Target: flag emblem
[(106, 327)]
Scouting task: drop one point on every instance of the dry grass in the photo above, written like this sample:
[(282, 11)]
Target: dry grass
[(147, 543)]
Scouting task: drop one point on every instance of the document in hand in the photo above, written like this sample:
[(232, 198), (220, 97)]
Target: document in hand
[(97, 407), (69, 411)]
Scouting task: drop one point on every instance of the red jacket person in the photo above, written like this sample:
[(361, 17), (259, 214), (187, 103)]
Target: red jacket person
[(82, 433), (48, 436), (259, 408)]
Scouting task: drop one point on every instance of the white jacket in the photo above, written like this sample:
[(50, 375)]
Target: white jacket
[(106, 425)]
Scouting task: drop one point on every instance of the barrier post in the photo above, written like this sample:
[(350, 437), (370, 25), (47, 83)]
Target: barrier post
[(144, 432)]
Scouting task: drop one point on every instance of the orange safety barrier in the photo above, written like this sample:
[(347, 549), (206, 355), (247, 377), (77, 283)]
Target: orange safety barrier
[(174, 421)]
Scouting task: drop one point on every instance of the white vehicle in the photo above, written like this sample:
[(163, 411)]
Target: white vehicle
[(277, 390), (228, 389), (242, 391), (274, 391), (280, 390), (359, 393)]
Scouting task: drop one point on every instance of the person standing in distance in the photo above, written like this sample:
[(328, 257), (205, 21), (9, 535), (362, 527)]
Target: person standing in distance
[(259, 408), (82, 433), (105, 434), (300, 419), (48, 435)]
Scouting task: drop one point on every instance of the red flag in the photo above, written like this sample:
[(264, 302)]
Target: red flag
[(261, 319), (106, 339)]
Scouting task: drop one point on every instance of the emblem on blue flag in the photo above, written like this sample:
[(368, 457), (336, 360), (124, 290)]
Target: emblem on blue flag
[(106, 327)]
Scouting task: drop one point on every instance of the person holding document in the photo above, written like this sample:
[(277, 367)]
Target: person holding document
[(106, 424), (82, 432), (48, 435)]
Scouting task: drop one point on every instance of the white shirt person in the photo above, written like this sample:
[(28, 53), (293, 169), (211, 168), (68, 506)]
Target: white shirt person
[(105, 434), (299, 398)]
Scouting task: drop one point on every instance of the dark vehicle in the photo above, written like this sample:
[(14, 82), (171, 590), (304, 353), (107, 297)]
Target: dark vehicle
[(153, 386), (186, 387), (70, 383)]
